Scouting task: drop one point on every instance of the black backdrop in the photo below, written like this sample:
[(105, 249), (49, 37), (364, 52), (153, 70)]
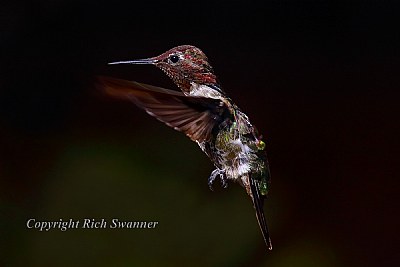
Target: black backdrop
[(317, 78)]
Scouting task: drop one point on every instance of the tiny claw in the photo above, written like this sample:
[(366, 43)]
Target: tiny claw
[(210, 183), (212, 178), (210, 186)]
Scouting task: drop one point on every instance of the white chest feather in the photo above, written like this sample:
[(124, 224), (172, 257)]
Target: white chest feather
[(204, 90)]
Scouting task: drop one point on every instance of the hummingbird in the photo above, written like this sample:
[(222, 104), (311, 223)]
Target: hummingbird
[(204, 112)]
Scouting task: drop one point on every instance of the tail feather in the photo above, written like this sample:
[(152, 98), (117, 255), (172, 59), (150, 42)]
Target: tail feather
[(258, 202)]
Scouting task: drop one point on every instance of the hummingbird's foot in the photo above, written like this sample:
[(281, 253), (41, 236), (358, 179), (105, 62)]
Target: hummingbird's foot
[(213, 176)]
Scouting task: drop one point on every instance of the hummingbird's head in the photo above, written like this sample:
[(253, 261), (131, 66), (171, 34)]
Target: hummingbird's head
[(184, 64)]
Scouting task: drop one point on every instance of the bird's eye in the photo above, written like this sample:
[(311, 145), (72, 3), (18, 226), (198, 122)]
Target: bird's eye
[(174, 58)]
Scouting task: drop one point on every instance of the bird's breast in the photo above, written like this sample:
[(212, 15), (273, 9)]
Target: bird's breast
[(235, 154)]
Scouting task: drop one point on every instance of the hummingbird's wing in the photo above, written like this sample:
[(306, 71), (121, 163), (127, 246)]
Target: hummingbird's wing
[(258, 203), (194, 116)]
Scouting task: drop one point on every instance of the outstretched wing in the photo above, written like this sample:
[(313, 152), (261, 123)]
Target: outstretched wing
[(194, 116)]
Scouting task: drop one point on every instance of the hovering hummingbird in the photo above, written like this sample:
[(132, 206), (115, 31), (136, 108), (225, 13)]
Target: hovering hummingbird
[(205, 113)]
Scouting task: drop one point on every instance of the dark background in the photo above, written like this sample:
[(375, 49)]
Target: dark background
[(317, 78)]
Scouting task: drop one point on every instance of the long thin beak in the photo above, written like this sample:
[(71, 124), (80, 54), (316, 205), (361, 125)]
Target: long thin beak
[(138, 61)]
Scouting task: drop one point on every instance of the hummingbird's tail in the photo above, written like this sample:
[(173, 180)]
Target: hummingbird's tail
[(258, 203)]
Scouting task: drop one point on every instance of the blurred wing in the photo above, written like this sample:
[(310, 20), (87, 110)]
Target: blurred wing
[(194, 116)]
